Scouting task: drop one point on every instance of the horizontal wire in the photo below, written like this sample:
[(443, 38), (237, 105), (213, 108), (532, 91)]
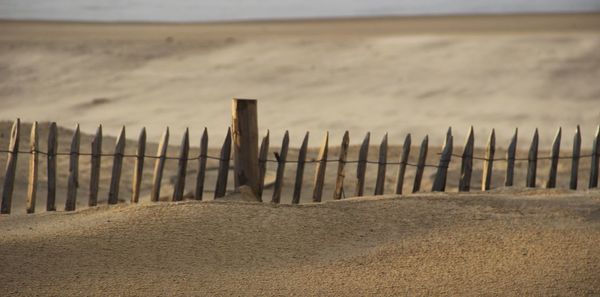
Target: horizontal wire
[(295, 161)]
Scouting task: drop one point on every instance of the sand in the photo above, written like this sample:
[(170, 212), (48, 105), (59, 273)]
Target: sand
[(397, 75), (415, 75), (509, 243)]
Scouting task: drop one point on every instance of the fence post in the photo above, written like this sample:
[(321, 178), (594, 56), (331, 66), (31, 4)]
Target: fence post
[(245, 144), (361, 166), (202, 165), (341, 172), (33, 169), (554, 155), (11, 168), (575, 160), (532, 164), (320, 170), (439, 183), (488, 163), (95, 167), (421, 164), (381, 168), (281, 159), (138, 171), (73, 181), (51, 160), (115, 180), (466, 167), (300, 170), (403, 163), (221, 185), (595, 156), (510, 160), (159, 166), (179, 187)]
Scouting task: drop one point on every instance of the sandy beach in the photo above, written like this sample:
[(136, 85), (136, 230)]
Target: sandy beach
[(414, 75)]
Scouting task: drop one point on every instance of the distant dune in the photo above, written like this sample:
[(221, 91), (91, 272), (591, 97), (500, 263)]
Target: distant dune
[(398, 75)]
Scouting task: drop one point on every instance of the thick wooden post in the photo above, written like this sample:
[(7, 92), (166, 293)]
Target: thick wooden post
[(381, 168), (361, 166), (33, 169), (403, 163), (281, 160), (466, 167), (184, 152), (554, 155), (341, 172), (320, 170), (511, 153), (532, 160), (202, 165), (51, 160), (575, 159), (244, 129), (263, 152), (115, 180), (96, 159), (221, 185), (11, 168), (439, 183), (421, 164), (138, 168), (73, 181), (595, 160), (488, 163), (159, 166), (300, 170)]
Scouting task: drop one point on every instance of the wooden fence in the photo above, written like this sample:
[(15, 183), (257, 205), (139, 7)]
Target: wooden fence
[(439, 184)]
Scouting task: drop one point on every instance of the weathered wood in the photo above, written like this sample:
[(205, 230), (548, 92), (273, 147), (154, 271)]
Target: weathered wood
[(403, 163), (202, 165), (138, 167), (73, 181), (51, 160), (244, 129), (511, 153), (488, 163), (595, 160), (320, 170), (361, 166), (281, 159), (33, 169), (262, 164), (532, 161), (466, 166), (159, 166), (300, 170), (381, 168), (221, 185), (115, 180), (341, 172), (96, 160), (554, 155), (421, 164), (184, 152), (439, 182), (11, 168), (575, 159)]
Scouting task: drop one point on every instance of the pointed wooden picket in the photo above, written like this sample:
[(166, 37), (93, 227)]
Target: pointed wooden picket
[(51, 161), (403, 163), (439, 182), (511, 153), (95, 164), (221, 185), (300, 170), (361, 166), (488, 163), (595, 160), (138, 167), (202, 165), (421, 164), (33, 169), (466, 167), (11, 168), (532, 161), (575, 159), (115, 180), (381, 168), (554, 155), (281, 160), (73, 181), (263, 152), (341, 171), (159, 166), (320, 170), (179, 187)]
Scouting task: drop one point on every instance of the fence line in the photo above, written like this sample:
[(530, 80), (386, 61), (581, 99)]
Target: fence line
[(439, 183)]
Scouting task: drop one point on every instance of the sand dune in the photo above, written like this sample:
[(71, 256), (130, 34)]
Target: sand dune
[(510, 243), (396, 75)]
